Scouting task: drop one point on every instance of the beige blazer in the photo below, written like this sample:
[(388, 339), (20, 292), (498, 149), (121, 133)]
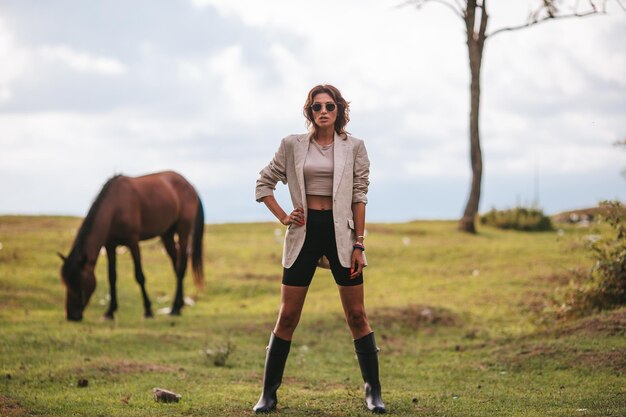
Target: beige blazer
[(350, 184)]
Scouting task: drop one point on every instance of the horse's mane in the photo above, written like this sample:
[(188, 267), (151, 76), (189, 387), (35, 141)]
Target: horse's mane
[(72, 263)]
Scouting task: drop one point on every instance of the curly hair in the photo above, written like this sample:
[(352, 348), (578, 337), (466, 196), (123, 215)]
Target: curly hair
[(343, 107)]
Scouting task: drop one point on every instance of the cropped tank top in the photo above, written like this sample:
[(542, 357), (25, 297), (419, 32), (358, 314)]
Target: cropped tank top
[(319, 167)]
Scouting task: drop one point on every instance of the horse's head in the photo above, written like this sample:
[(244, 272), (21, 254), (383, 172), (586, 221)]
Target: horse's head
[(80, 283)]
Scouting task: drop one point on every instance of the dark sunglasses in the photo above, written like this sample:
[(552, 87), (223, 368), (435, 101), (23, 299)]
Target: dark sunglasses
[(318, 106)]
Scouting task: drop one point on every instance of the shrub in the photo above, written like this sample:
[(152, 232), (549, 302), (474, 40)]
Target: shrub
[(519, 218), (604, 286)]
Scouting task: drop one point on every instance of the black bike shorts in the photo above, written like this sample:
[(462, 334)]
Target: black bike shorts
[(319, 240)]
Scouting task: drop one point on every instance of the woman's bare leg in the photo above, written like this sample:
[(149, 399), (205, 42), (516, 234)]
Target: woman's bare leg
[(292, 301), (354, 310)]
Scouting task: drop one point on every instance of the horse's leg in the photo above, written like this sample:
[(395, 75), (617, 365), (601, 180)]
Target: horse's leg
[(112, 282), (181, 267), (139, 276), (170, 246)]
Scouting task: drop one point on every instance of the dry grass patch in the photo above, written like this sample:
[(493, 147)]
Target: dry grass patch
[(11, 408), (415, 317)]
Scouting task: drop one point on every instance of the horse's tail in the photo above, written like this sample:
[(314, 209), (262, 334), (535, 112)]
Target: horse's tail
[(196, 251)]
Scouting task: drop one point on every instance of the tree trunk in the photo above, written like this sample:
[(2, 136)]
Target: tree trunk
[(475, 43)]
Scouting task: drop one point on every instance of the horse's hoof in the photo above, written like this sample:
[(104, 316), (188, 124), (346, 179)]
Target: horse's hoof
[(108, 316), (175, 313), (148, 315)]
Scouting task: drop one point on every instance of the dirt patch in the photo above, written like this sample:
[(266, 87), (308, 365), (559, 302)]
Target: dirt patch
[(569, 357), (415, 316), (613, 359), (11, 408), (612, 323)]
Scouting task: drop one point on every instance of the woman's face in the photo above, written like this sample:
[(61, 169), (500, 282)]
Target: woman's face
[(322, 116)]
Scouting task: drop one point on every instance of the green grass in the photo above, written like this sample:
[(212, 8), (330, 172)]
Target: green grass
[(482, 350)]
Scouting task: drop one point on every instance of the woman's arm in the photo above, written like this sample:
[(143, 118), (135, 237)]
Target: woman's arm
[(358, 209), (296, 217), (358, 262), (266, 184), (274, 171)]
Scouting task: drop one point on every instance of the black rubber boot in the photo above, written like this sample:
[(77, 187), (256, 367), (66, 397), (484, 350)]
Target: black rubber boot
[(367, 353), (277, 352)]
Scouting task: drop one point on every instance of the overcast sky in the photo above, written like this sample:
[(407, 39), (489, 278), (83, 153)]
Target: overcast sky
[(209, 88)]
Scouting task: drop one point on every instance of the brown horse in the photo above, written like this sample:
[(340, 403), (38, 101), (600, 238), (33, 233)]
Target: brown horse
[(126, 211)]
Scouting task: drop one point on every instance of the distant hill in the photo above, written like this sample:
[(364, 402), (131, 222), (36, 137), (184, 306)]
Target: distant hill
[(575, 216)]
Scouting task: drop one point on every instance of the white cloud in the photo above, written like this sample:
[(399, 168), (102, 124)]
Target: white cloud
[(14, 61), (81, 61)]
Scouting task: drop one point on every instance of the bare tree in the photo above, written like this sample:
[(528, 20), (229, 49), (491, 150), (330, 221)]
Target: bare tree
[(475, 17)]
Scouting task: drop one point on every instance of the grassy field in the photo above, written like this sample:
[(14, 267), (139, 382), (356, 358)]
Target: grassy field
[(458, 319)]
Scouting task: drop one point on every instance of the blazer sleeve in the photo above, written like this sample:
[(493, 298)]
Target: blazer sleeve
[(361, 180), (275, 171)]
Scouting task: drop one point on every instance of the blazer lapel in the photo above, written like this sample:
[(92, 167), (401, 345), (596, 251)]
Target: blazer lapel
[(299, 156), (341, 153)]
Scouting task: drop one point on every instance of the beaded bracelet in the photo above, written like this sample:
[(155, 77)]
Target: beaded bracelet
[(359, 247)]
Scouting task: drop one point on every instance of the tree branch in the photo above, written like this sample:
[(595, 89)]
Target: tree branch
[(483, 20), (483, 27), (419, 3), (545, 19)]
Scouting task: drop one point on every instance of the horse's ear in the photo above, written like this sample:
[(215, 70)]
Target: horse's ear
[(63, 258)]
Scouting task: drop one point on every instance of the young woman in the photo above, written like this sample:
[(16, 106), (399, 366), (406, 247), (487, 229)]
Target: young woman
[(327, 172)]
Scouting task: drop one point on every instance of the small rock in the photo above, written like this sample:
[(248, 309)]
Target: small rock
[(82, 383), (414, 400), (165, 396), (164, 310)]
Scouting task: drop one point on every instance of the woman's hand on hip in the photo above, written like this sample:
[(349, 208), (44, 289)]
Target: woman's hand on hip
[(296, 217), (357, 264)]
